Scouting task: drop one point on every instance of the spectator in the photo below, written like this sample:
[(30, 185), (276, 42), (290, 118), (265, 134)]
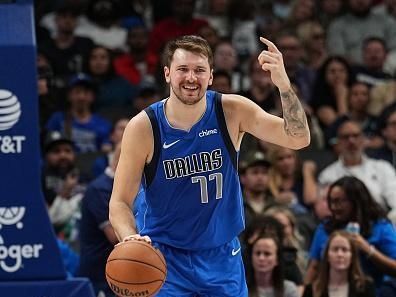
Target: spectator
[(329, 10), (62, 186), (48, 21), (262, 90), (48, 102), (313, 37), (382, 96), (340, 272), (137, 11), (294, 245), (97, 237), (349, 200), (88, 130), (216, 15), (347, 32), (102, 25), (263, 225), (282, 8), (66, 52), (267, 23), (358, 100), (254, 181), (113, 91), (379, 176), (302, 11), (374, 56), (264, 271), (102, 162), (225, 58), (388, 130), (137, 65), (243, 34), (221, 82), (291, 48), (386, 8), (210, 34), (330, 90), (292, 184), (148, 94), (181, 23)]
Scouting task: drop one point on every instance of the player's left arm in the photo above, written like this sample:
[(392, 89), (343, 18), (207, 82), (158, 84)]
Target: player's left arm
[(290, 131)]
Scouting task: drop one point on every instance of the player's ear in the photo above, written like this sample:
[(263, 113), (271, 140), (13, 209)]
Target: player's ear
[(211, 77), (167, 74)]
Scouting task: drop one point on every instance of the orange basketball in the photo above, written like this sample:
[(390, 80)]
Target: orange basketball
[(135, 268)]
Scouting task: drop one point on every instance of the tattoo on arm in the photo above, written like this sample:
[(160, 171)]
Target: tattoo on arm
[(293, 114)]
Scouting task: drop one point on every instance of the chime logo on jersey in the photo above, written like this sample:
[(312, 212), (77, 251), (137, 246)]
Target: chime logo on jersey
[(191, 164), (208, 132)]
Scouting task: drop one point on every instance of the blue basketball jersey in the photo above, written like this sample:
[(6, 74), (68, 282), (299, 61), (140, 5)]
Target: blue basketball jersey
[(192, 190)]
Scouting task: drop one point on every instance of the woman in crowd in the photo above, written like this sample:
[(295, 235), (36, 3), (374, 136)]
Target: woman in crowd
[(113, 90), (264, 271), (294, 244), (350, 201), (292, 184), (330, 91), (265, 225), (340, 273)]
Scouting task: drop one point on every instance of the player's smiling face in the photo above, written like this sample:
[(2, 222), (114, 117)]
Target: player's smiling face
[(189, 76)]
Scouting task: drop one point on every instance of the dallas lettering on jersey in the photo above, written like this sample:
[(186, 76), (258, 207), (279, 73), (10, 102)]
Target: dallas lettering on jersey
[(195, 163)]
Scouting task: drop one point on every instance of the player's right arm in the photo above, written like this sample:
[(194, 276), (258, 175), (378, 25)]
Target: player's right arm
[(136, 148)]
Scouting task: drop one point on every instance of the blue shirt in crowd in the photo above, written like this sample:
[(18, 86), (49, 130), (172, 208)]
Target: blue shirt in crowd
[(382, 237)]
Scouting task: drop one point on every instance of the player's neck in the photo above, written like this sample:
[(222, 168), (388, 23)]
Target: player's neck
[(183, 116)]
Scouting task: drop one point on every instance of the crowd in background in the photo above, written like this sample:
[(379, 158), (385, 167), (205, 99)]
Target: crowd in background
[(99, 64)]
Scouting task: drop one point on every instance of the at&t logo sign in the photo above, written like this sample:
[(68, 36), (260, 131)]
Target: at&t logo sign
[(10, 112), (11, 256)]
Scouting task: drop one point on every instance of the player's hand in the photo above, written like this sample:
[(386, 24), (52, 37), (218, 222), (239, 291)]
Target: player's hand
[(271, 60), (137, 237)]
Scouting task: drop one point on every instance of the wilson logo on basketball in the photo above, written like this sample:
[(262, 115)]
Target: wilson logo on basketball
[(126, 292)]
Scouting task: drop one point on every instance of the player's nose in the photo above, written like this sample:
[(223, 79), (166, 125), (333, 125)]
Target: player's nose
[(191, 77)]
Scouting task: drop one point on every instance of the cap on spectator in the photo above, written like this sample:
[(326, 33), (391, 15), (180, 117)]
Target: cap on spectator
[(55, 138), (255, 158), (81, 79)]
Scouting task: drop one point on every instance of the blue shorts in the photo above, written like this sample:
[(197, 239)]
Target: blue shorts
[(217, 272)]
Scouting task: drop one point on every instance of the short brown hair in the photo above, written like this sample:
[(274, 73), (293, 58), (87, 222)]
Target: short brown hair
[(191, 43)]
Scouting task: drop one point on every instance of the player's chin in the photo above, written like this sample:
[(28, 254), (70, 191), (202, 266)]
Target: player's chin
[(191, 101)]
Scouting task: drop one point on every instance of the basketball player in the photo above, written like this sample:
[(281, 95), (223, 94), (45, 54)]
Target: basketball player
[(185, 148)]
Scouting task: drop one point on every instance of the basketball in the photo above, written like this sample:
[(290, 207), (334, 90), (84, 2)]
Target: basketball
[(135, 268)]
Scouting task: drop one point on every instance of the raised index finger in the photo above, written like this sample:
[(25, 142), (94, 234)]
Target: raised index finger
[(271, 45)]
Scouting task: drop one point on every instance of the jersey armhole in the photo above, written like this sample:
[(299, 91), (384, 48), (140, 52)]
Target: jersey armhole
[(224, 131), (150, 168)]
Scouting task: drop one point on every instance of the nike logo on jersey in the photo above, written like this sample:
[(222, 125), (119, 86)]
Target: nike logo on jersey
[(234, 252), (165, 146)]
